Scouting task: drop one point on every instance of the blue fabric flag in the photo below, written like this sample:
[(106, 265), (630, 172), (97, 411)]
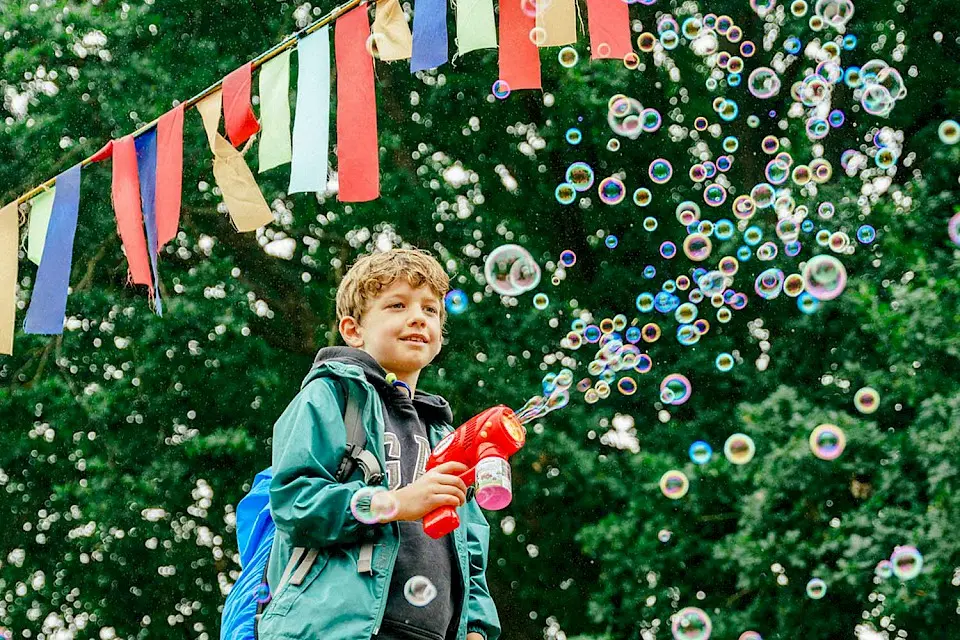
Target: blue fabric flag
[(48, 305), (146, 146), (429, 34)]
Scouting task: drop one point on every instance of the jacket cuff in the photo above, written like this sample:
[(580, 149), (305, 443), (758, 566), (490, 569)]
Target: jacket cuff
[(473, 628)]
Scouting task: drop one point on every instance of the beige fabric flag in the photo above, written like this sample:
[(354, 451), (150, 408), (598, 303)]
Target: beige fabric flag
[(9, 246), (391, 32), (247, 206), (558, 19)]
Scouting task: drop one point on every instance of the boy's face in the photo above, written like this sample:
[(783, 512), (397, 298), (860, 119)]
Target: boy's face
[(400, 328)]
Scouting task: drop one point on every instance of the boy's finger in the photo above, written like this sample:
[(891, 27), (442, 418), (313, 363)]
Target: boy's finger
[(455, 481), (453, 490), (452, 467)]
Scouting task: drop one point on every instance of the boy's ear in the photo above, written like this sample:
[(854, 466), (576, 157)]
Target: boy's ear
[(351, 332)]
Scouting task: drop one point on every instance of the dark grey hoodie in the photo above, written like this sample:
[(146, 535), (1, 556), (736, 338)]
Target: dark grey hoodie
[(407, 447)]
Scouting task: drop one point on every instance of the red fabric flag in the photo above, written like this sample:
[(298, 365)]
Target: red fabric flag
[(237, 112), (169, 174), (126, 204), (519, 57), (106, 151), (609, 22), (357, 146)]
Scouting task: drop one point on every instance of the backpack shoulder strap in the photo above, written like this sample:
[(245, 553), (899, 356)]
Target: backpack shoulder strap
[(356, 454)]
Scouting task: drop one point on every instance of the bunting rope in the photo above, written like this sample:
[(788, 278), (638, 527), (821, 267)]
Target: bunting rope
[(287, 43)]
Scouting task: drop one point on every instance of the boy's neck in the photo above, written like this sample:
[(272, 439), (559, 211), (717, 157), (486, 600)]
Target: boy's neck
[(410, 380)]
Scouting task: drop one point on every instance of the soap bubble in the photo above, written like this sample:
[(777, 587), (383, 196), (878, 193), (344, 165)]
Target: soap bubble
[(500, 89), (419, 591), (541, 301), (763, 82), (611, 190), (660, 171), (884, 570), (824, 277), (565, 193), (573, 136), (456, 302), (816, 588), (510, 270), (953, 229), (679, 387), (568, 258), (362, 504), (827, 441), (907, 562), (949, 132), (866, 400), (664, 535), (700, 452), (691, 623), (580, 175), (261, 593), (674, 484), (739, 448), (750, 635), (568, 57)]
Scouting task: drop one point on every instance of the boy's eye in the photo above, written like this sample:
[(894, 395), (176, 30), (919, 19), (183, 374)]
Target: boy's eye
[(432, 309), (396, 305)]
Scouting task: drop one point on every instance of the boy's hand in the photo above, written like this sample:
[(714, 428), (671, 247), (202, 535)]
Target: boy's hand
[(439, 487)]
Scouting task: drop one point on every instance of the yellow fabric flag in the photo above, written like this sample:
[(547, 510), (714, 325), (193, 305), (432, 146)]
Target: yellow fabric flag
[(41, 208), (558, 20), (248, 208), (476, 28), (9, 247), (275, 148), (391, 32)]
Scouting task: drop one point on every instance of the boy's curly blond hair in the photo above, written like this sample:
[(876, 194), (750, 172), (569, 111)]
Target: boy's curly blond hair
[(374, 272)]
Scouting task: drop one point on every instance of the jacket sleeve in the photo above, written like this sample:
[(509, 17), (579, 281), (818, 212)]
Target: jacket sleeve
[(482, 615), (306, 501)]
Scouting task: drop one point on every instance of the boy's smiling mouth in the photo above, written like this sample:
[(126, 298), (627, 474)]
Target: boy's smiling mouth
[(415, 338)]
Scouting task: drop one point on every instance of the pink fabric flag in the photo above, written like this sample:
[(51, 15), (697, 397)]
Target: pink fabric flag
[(357, 146), (519, 57), (169, 174), (237, 112), (126, 204), (609, 24)]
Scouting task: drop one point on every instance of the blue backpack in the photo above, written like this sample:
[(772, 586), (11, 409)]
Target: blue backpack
[(255, 529)]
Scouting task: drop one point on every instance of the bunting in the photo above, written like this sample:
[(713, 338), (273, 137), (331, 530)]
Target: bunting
[(247, 207), (429, 34), (48, 303), (9, 265), (275, 146), (357, 146), (556, 23), (519, 56), (609, 25), (391, 32), (169, 174), (237, 110), (146, 146), (126, 205), (475, 26), (147, 179), (311, 128), (40, 210)]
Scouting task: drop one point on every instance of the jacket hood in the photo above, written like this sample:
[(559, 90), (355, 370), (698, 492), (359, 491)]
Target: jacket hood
[(430, 407)]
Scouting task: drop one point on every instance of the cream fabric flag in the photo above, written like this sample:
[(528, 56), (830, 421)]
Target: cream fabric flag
[(391, 32), (275, 148), (475, 26), (558, 19), (9, 248), (41, 208), (246, 204)]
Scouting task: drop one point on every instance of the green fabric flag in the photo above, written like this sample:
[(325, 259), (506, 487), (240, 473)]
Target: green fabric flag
[(275, 148), (475, 26), (42, 207)]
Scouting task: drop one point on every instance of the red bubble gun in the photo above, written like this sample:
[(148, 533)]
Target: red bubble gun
[(483, 443)]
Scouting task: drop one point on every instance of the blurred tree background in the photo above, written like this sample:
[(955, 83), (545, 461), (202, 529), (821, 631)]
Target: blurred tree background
[(127, 442)]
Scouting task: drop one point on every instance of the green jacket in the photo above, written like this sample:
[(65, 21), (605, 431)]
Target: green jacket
[(334, 588)]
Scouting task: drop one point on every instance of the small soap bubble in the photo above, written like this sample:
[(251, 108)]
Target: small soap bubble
[(907, 562), (691, 623), (866, 400), (816, 588), (700, 452), (456, 302), (419, 591), (674, 484), (500, 89), (827, 441), (739, 448)]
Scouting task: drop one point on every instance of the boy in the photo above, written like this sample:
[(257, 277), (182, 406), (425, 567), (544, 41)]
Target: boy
[(333, 577)]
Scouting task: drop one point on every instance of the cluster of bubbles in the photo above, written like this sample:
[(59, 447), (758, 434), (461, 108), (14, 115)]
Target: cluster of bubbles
[(905, 563)]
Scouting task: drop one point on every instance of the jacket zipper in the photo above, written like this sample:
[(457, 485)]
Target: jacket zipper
[(386, 589)]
